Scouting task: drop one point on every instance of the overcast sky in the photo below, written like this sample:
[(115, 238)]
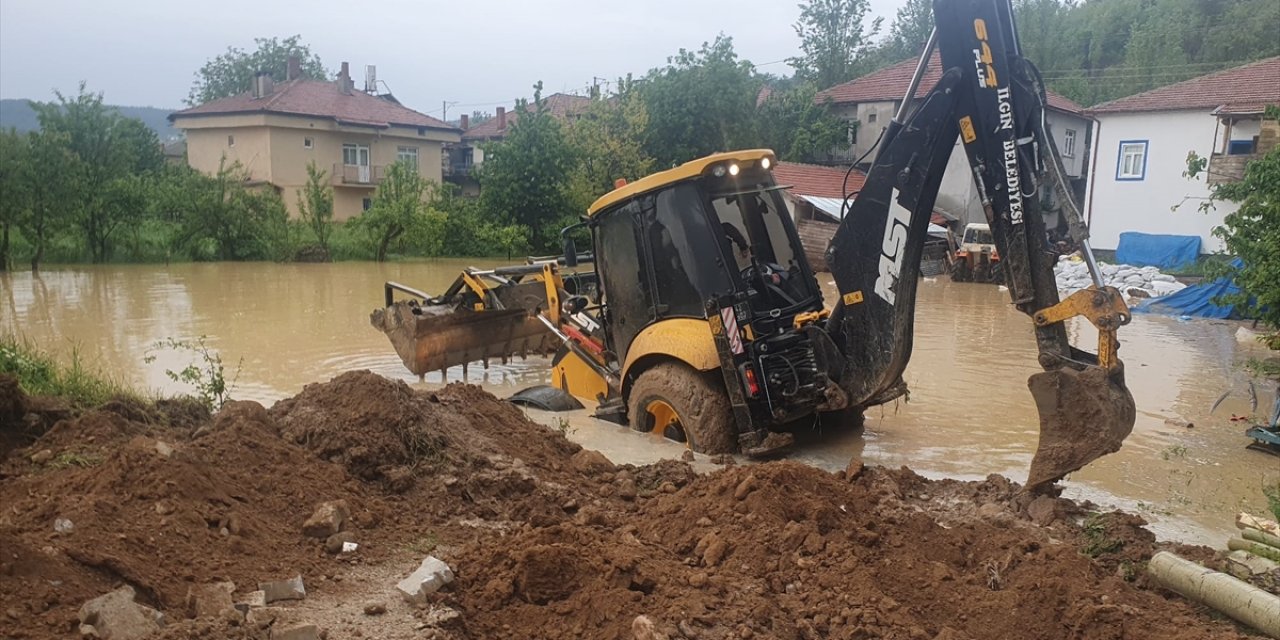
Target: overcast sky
[(477, 54)]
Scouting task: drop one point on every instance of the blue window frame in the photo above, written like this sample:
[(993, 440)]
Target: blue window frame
[(1131, 160)]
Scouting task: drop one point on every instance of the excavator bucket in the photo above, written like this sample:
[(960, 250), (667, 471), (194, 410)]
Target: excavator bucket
[(1084, 415), (436, 337), (484, 314)]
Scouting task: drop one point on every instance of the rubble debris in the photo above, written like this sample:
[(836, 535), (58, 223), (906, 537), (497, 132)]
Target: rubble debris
[(115, 616), (291, 589), (210, 600), (428, 578), (296, 632), (339, 541), (1072, 275), (329, 518)]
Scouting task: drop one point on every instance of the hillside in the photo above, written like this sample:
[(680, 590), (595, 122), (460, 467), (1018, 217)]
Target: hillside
[(18, 114)]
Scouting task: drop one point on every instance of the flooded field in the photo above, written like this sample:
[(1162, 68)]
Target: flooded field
[(283, 326)]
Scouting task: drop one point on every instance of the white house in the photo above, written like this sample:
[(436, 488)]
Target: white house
[(872, 100), (1143, 141)]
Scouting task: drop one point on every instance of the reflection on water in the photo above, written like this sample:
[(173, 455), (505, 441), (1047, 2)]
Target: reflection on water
[(969, 414)]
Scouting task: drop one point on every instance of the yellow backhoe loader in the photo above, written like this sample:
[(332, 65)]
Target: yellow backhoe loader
[(703, 320)]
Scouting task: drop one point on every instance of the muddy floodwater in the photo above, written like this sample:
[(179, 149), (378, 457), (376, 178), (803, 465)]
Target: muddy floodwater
[(279, 327)]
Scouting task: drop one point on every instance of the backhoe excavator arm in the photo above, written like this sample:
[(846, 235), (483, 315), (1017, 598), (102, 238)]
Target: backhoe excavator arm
[(989, 97)]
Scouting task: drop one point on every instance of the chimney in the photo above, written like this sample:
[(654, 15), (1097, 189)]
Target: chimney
[(464, 122), (295, 68), (263, 85), (344, 79), (502, 118)]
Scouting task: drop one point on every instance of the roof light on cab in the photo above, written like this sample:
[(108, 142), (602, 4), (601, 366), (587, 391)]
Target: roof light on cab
[(765, 163), (734, 169)]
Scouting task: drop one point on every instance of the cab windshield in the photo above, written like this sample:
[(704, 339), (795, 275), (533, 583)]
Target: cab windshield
[(757, 241), (976, 235)]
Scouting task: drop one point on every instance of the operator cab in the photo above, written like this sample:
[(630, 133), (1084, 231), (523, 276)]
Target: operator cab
[(722, 233)]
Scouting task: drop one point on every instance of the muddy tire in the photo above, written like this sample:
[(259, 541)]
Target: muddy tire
[(699, 401), (960, 272)]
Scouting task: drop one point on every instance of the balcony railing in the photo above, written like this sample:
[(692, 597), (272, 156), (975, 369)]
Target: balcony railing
[(1228, 168), (351, 175)]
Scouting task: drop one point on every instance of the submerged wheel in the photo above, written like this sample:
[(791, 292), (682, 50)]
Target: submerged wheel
[(673, 399), (961, 273)]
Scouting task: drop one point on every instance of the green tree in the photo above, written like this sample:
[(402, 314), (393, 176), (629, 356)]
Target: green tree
[(238, 222), (232, 72), (608, 141), (909, 31), (700, 103), (401, 212), (798, 128), (315, 203), (50, 175), (107, 149), (524, 180), (833, 40), (14, 188), (1252, 232)]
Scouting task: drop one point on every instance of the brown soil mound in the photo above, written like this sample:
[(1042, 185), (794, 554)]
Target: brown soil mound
[(549, 540)]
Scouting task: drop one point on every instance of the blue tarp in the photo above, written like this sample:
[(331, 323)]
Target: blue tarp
[(1164, 251), (1196, 300)]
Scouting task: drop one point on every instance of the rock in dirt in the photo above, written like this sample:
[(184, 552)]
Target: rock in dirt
[(428, 578), (42, 456), (591, 462), (254, 599), (853, 469), (13, 402), (291, 589), (329, 518), (375, 608), (296, 632), (642, 628), (210, 600), (335, 543), (115, 616)]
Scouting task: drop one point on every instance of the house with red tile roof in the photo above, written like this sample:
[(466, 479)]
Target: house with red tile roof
[(815, 196), (275, 130), (468, 154), (1143, 141), (868, 104)]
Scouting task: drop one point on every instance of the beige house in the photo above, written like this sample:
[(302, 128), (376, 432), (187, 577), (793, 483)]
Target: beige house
[(274, 131)]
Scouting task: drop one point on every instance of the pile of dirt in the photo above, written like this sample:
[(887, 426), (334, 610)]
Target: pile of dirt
[(782, 550), (547, 540)]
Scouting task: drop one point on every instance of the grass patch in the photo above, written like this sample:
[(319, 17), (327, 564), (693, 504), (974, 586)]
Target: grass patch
[(424, 545), (1272, 492), (1097, 542), (69, 459), (40, 373)]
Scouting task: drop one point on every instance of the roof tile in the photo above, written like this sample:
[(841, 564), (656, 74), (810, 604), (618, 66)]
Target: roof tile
[(1242, 89), (816, 180), (560, 105), (891, 82), (319, 99)]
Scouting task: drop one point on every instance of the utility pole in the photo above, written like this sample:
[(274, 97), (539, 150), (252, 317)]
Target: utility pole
[(444, 109)]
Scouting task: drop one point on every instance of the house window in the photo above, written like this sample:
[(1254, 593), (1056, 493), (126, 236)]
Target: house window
[(1132, 161), (407, 155), (231, 141), (1069, 143), (355, 155), (871, 117), (852, 133), (366, 203), (307, 143)]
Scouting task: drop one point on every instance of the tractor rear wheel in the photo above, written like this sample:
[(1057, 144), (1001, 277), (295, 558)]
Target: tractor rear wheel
[(672, 398)]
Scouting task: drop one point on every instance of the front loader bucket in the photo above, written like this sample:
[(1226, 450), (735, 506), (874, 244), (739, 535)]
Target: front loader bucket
[(436, 337), (1084, 415)]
